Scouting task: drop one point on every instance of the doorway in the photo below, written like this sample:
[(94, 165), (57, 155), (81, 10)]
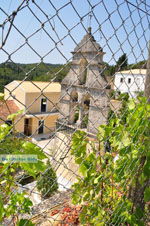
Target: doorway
[(27, 126)]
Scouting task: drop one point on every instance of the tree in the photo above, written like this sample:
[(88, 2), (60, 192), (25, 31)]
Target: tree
[(122, 62), (47, 182)]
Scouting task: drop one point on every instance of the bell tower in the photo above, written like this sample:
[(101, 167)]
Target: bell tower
[(86, 81)]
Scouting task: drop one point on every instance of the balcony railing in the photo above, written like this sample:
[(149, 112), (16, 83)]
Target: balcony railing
[(53, 112)]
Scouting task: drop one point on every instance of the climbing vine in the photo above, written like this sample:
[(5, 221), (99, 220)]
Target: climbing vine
[(13, 202), (113, 186)]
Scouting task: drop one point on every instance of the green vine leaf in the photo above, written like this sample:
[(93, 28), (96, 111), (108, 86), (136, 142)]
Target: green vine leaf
[(24, 222), (14, 115), (1, 208), (147, 195), (131, 104), (1, 96), (98, 179), (83, 169), (14, 200), (116, 167)]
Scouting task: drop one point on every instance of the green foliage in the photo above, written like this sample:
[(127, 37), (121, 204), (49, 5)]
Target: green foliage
[(114, 192), (47, 182), (76, 115), (1, 96), (46, 72), (117, 95), (140, 64), (122, 62), (13, 202), (42, 72), (112, 94), (109, 70), (123, 97), (140, 94), (147, 194), (25, 222), (85, 121), (14, 115), (4, 131)]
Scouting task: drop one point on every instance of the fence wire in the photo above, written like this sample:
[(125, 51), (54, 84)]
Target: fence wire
[(68, 66)]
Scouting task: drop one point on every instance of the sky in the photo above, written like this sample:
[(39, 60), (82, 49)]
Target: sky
[(117, 25)]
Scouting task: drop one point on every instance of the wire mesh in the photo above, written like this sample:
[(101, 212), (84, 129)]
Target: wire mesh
[(67, 66)]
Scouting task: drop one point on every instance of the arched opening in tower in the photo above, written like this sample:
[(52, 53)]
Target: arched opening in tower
[(74, 108), (85, 115)]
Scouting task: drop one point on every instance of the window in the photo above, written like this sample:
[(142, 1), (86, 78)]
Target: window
[(8, 122), (28, 126), (138, 81), (129, 80), (75, 99), (87, 103), (121, 80), (43, 104), (41, 127)]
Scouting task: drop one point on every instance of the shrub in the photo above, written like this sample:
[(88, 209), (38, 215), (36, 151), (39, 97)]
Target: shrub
[(47, 182), (139, 94), (112, 94), (115, 191), (123, 97)]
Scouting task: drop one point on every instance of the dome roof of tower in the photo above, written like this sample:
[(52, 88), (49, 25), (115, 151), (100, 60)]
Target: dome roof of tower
[(88, 44)]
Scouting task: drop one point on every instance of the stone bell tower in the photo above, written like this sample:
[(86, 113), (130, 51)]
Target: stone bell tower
[(84, 96)]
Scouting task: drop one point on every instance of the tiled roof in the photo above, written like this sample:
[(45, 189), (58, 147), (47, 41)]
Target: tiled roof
[(6, 108)]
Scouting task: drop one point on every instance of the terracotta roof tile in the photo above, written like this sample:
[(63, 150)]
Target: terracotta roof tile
[(7, 108)]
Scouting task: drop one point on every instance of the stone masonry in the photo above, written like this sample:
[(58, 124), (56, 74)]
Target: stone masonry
[(84, 95)]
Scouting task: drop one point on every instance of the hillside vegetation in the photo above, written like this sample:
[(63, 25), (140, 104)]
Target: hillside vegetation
[(35, 72), (53, 72)]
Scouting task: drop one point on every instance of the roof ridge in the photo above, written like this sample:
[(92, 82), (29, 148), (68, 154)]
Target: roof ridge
[(35, 81), (131, 71)]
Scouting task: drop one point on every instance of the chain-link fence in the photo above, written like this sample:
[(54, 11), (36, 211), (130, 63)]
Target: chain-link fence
[(74, 122)]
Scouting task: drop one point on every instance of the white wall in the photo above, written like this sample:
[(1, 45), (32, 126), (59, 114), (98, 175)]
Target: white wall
[(136, 84)]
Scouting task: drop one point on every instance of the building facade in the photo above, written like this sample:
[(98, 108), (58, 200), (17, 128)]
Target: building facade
[(85, 91), (130, 81), (39, 104)]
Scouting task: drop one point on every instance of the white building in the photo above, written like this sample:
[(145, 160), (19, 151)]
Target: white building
[(131, 81)]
